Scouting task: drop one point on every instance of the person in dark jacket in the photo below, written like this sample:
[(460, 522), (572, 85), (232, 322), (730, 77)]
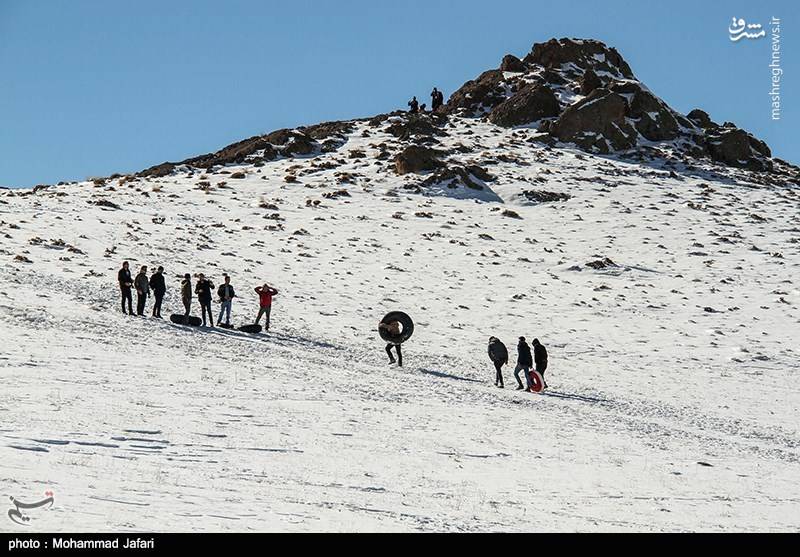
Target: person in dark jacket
[(437, 99), (203, 289), (125, 283), (186, 296), (498, 353), (159, 288), (413, 105), (524, 363), (226, 295), (540, 358), (142, 285)]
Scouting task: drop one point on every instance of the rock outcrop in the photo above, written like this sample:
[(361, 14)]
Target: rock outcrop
[(584, 92), (596, 123), (416, 158), (528, 105)]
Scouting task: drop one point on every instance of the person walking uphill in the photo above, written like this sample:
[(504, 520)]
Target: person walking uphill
[(142, 285), (125, 283), (524, 362), (203, 289), (159, 288), (265, 294), (498, 353), (226, 295), (186, 296), (393, 329), (540, 358)]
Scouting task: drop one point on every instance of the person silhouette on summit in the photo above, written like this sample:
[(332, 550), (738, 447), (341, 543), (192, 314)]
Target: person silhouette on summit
[(414, 105), (437, 99), (125, 283)]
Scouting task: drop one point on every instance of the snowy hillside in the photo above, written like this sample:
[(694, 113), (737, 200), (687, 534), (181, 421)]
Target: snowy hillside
[(666, 293)]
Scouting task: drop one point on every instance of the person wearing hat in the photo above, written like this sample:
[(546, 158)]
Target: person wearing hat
[(524, 363)]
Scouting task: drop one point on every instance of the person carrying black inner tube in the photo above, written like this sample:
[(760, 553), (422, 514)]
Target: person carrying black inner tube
[(498, 354), (125, 283), (142, 285), (394, 330), (203, 289), (186, 296), (540, 358), (159, 288)]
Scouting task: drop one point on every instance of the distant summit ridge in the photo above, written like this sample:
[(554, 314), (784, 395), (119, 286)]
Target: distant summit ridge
[(569, 92)]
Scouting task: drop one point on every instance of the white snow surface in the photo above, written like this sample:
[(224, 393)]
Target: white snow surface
[(673, 374)]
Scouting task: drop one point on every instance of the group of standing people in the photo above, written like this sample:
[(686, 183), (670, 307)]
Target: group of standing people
[(203, 289), (437, 100), (498, 354), (143, 285)]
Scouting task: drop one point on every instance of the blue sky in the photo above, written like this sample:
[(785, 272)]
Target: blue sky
[(94, 87)]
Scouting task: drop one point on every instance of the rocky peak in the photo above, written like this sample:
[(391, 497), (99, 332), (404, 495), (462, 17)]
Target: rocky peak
[(569, 55), (583, 92)]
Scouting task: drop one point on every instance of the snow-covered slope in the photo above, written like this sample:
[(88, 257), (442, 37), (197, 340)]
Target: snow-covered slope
[(673, 397)]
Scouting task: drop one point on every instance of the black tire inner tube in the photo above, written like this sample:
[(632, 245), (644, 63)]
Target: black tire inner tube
[(406, 327)]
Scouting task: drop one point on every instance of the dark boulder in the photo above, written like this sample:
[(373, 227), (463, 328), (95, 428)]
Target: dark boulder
[(528, 105), (589, 82), (410, 125), (415, 158), (235, 153), (596, 123), (320, 132), (477, 95), (654, 119), (511, 63), (453, 177), (292, 142), (701, 118), (158, 171), (735, 147)]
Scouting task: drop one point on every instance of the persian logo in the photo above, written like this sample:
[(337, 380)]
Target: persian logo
[(739, 29), (16, 515)]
